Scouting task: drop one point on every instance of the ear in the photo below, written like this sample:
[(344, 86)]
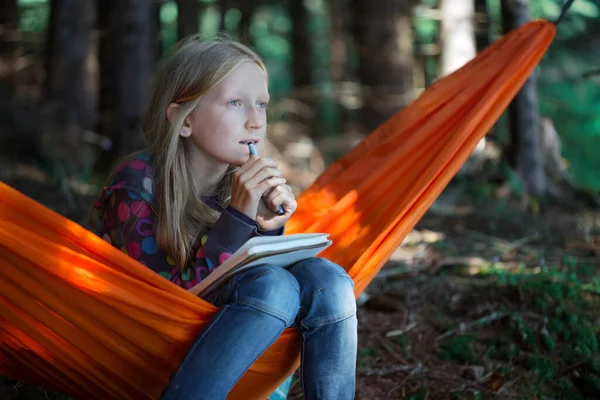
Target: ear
[(186, 129), (171, 110)]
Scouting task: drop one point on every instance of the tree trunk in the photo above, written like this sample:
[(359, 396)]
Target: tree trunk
[(338, 44), (9, 35), (458, 48), (132, 71), (525, 154), (106, 51), (157, 42), (247, 9), (187, 18), (224, 7), (71, 65), (339, 72), (301, 56), (458, 34), (382, 31), (482, 25)]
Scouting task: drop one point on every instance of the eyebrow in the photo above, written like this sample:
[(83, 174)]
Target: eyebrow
[(244, 94)]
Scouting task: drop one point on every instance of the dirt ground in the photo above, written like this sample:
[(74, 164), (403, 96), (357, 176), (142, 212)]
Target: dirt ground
[(485, 299)]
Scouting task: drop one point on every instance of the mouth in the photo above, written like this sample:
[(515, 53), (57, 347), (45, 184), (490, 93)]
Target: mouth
[(246, 142)]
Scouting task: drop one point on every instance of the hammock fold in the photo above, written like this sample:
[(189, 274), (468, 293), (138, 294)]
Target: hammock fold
[(80, 317)]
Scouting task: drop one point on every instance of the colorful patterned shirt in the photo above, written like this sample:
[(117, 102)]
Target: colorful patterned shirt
[(128, 209)]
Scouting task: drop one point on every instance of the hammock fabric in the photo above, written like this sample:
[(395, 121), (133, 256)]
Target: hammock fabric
[(82, 318)]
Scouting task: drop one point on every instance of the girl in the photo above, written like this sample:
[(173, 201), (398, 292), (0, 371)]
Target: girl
[(194, 195)]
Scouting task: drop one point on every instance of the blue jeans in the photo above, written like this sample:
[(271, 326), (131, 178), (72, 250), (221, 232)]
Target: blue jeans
[(314, 295)]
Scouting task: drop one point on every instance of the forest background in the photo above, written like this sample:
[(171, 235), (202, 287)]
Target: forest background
[(492, 295)]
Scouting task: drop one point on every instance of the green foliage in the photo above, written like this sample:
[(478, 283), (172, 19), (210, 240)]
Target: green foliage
[(400, 340), (458, 348), (557, 333), (523, 332), (420, 394), (549, 342), (33, 15), (366, 352), (364, 355), (542, 366), (573, 102)]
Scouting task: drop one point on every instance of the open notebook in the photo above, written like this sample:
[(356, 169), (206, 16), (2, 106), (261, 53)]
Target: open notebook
[(275, 250)]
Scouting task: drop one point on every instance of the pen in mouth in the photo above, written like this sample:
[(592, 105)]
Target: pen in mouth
[(252, 148), (280, 211)]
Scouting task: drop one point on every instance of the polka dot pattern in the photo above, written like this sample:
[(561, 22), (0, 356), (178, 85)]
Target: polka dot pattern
[(140, 209), (149, 245), (135, 250), (224, 257), (129, 224), (147, 184), (124, 211)]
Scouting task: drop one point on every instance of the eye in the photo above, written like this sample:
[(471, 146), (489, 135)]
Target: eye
[(263, 104), (235, 103)]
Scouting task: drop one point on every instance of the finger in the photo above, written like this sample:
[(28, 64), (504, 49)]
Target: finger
[(277, 191), (270, 183), (275, 200), (262, 175), (247, 165), (254, 162), (285, 200), (258, 165)]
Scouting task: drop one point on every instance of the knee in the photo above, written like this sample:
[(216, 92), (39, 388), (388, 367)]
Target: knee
[(272, 290), (327, 291)]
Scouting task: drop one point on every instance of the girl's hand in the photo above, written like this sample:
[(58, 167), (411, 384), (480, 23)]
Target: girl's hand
[(267, 217), (251, 181)]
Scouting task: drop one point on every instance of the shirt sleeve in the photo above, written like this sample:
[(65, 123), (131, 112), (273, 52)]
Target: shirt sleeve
[(130, 225), (248, 220)]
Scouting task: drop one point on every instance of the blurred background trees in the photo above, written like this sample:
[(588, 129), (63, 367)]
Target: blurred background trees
[(77, 75)]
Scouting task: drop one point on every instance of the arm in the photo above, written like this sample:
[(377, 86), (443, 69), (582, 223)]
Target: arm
[(130, 225)]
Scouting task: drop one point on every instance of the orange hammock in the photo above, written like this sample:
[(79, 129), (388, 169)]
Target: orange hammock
[(82, 318)]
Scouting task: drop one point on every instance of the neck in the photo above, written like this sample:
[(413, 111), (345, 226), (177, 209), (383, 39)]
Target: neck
[(207, 173)]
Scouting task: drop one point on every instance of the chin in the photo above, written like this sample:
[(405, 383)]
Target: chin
[(236, 162)]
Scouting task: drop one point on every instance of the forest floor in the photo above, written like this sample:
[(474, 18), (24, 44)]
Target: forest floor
[(484, 300)]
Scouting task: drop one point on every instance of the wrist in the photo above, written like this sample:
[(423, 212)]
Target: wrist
[(271, 232), (247, 211)]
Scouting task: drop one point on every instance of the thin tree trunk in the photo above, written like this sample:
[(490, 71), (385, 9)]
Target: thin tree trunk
[(339, 72), (132, 70), (106, 51), (71, 66), (157, 41), (301, 58), (458, 48), (382, 31), (482, 40), (458, 34), (9, 35), (247, 9), (187, 18), (224, 7), (338, 44), (525, 153), (482, 25)]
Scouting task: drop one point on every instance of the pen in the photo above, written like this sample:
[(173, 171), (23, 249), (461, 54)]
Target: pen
[(253, 152)]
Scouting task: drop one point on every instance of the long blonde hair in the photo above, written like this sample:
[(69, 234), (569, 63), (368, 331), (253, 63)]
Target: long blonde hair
[(195, 67)]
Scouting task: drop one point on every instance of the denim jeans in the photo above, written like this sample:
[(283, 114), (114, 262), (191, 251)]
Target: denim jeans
[(256, 305)]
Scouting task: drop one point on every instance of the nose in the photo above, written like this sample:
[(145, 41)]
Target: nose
[(255, 119)]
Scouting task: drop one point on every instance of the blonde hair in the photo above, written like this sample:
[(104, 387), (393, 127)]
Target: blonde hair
[(193, 68)]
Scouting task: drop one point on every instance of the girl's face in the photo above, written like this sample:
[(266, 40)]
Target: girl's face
[(230, 115)]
